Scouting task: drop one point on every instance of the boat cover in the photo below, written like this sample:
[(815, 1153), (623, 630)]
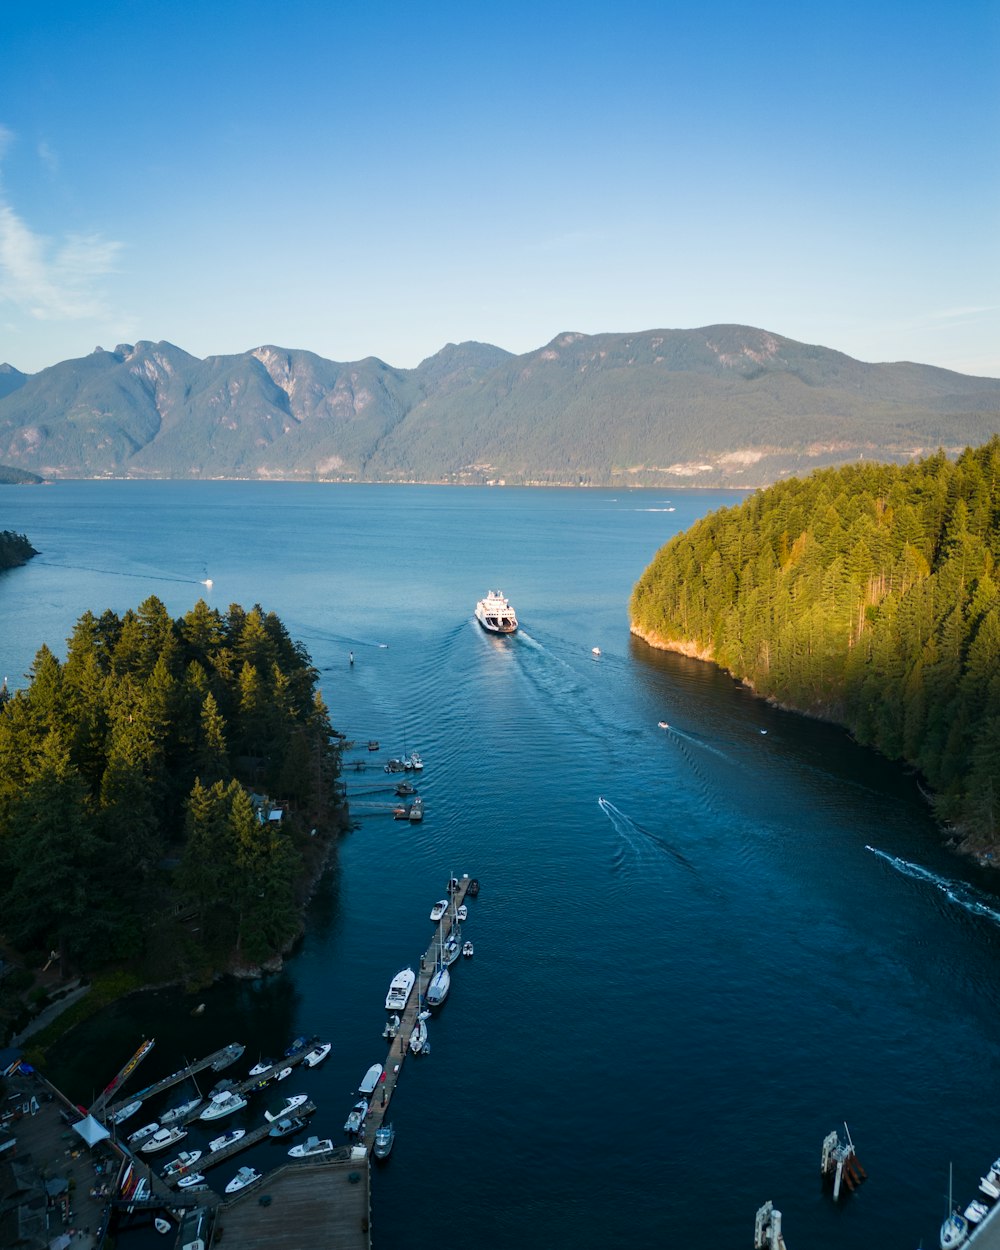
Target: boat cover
[(92, 1131)]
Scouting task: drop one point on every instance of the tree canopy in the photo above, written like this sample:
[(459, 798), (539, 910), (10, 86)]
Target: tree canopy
[(126, 780), (867, 595)]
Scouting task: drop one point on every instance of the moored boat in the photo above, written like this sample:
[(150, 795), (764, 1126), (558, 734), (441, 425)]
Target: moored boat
[(141, 1134), (287, 1126), (244, 1177), (317, 1055), (468, 950), (229, 1054), (161, 1225), (281, 1109), (179, 1111), (227, 1139), (370, 1079), (355, 1121), (419, 1044), (391, 1028), (495, 614), (182, 1163), (123, 1113), (975, 1211), (416, 812), (163, 1138), (400, 989), (463, 913), (473, 890), (188, 1182), (222, 1104), (385, 1137), (438, 910), (261, 1066), (311, 1146), (440, 984)]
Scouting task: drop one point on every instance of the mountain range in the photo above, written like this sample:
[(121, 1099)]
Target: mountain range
[(724, 405)]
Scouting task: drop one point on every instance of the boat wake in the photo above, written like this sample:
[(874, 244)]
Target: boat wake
[(695, 740), (959, 892), (143, 577), (637, 838)]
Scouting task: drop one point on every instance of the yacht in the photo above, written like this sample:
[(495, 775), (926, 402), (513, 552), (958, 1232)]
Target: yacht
[(400, 989), (495, 614), (385, 1136), (162, 1139), (222, 1104)]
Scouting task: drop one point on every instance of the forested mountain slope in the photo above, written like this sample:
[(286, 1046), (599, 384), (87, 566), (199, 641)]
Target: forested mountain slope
[(721, 405), (866, 594)]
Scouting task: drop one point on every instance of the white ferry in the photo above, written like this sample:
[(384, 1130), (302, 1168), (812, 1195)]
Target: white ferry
[(495, 614)]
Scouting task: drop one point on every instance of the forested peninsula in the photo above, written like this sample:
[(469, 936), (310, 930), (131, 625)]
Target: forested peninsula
[(166, 794), (866, 595), (14, 550)]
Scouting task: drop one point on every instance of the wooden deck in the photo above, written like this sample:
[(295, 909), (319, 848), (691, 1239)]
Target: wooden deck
[(307, 1204)]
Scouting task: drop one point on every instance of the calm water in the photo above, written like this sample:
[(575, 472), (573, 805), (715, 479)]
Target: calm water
[(697, 950)]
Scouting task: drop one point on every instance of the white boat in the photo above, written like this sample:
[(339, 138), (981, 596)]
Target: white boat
[(179, 1111), (452, 947), (261, 1066), (495, 614), (123, 1113), (186, 1182), (227, 1139), (286, 1108), (317, 1055), (161, 1225), (416, 811), (975, 1211), (468, 950), (391, 1028), (463, 913), (283, 1073), (355, 1121), (440, 984), (141, 1134), (229, 1054), (662, 724), (184, 1160), (990, 1183), (371, 1080), (955, 1229), (595, 650), (438, 910), (222, 1104), (400, 989), (385, 1136), (311, 1146), (162, 1139), (418, 1037), (244, 1177), (416, 763)]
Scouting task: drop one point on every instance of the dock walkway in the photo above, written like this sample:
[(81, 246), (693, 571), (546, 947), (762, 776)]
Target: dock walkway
[(250, 1138), (174, 1078)]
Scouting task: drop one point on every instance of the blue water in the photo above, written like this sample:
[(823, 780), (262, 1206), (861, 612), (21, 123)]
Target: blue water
[(698, 950)]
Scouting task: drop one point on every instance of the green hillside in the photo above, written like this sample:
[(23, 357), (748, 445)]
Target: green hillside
[(15, 550), (867, 595), (721, 405)]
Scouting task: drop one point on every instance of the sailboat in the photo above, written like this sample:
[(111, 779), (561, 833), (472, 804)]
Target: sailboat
[(419, 1044), (451, 948), (440, 982), (955, 1229)]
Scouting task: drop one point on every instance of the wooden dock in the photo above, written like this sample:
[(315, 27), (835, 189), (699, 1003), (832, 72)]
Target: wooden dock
[(378, 1111), (174, 1078), (250, 1138)]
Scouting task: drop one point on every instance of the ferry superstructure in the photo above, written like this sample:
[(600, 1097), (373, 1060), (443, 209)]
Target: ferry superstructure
[(495, 614)]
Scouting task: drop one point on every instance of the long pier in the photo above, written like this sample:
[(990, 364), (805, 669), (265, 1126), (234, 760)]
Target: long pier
[(399, 1048)]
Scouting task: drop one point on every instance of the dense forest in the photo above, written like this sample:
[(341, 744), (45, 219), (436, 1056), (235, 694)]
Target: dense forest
[(14, 549), (132, 776), (867, 595)]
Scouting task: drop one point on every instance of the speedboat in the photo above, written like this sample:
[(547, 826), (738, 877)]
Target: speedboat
[(438, 910), (311, 1146), (141, 1134), (595, 650), (495, 614), (244, 1177), (162, 1139), (662, 724), (229, 1054), (280, 1076), (391, 1028), (371, 1080), (183, 1161), (468, 950), (186, 1182), (385, 1136), (400, 990), (355, 1121), (280, 1110), (286, 1127), (463, 912), (317, 1055), (222, 1104), (227, 1139), (123, 1113), (179, 1111), (261, 1066)]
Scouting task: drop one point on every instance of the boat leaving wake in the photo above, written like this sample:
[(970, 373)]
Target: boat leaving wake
[(959, 892), (625, 827)]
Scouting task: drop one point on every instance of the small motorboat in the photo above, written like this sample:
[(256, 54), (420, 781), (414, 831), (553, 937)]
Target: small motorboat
[(311, 1146), (355, 1121), (186, 1159), (404, 788), (415, 763), (391, 1028), (287, 1127), (453, 884), (162, 1139), (227, 1139), (468, 950), (473, 890), (229, 1054), (990, 1183), (141, 1134), (261, 1066), (975, 1211), (223, 1104), (370, 1080), (401, 813), (123, 1113), (438, 910), (300, 1043), (280, 1110), (317, 1055), (372, 744), (385, 1136), (179, 1111), (186, 1182), (595, 650), (463, 913), (244, 1177), (161, 1225), (280, 1076), (662, 724)]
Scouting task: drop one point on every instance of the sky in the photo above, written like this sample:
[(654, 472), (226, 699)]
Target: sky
[(382, 178)]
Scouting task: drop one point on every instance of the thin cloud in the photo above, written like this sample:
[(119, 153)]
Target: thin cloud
[(49, 157)]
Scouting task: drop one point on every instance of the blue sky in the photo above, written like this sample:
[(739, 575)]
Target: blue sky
[(381, 179)]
